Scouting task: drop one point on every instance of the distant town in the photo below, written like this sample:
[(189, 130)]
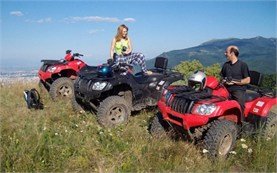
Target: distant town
[(18, 76)]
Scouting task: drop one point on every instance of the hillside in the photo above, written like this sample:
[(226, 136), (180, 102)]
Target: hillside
[(254, 51), (56, 139)]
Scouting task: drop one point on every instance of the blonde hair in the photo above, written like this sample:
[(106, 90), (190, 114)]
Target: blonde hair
[(119, 36)]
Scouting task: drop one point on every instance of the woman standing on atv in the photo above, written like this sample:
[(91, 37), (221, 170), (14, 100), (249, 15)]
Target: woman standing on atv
[(121, 50)]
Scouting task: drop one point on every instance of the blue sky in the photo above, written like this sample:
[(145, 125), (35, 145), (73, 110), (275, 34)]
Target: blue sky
[(35, 30)]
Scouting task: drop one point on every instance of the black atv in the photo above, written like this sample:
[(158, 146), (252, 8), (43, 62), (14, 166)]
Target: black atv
[(112, 91)]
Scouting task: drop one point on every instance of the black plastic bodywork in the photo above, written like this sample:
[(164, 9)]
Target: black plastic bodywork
[(145, 89)]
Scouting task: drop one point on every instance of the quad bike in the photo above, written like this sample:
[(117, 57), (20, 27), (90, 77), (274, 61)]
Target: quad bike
[(208, 115), (112, 91), (57, 76)]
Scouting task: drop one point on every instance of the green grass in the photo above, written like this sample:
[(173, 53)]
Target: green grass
[(56, 139)]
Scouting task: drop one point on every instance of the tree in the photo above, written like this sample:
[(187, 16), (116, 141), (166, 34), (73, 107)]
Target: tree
[(213, 70), (269, 81), (188, 67)]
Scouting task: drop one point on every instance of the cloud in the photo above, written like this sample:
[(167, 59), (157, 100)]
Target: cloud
[(92, 19), (16, 13), (129, 20), (94, 31), (97, 19), (44, 20)]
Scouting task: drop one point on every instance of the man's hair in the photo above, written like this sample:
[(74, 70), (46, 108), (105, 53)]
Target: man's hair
[(235, 50)]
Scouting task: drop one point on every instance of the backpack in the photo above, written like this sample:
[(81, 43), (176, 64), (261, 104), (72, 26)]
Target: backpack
[(32, 99)]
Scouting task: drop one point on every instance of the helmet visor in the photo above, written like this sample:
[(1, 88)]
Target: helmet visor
[(195, 85)]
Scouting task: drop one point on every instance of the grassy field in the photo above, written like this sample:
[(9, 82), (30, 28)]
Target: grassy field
[(56, 139)]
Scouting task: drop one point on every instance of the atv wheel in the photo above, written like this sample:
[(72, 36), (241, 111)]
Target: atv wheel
[(159, 127), (220, 138), (61, 88), (42, 88), (113, 111), (270, 127), (76, 106)]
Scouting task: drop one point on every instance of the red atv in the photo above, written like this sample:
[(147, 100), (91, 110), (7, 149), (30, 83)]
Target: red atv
[(56, 76), (205, 113)]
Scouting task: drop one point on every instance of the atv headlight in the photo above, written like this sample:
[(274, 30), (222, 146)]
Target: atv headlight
[(206, 109), (99, 85), (51, 69)]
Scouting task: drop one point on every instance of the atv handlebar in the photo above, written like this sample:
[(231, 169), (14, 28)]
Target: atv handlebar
[(77, 55)]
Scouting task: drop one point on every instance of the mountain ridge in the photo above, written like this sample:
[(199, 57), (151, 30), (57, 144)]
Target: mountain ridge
[(254, 51)]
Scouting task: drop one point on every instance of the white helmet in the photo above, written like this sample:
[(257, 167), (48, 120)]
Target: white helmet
[(197, 80)]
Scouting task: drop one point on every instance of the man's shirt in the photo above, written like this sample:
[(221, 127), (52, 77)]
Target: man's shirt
[(239, 70)]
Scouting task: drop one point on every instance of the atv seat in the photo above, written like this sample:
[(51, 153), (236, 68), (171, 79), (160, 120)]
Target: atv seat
[(143, 79), (124, 67), (251, 95), (158, 72), (87, 70), (53, 62)]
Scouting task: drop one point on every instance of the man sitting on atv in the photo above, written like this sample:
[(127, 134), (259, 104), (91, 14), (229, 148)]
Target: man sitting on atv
[(236, 74), (121, 50)]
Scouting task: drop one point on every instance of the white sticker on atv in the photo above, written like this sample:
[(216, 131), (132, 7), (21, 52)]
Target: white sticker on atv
[(157, 88), (79, 63), (256, 110), (161, 82), (260, 104)]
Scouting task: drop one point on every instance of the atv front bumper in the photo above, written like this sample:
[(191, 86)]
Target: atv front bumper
[(186, 121), (84, 90), (87, 96)]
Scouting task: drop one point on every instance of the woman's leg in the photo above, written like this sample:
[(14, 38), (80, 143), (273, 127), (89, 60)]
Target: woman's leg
[(138, 59), (121, 59)]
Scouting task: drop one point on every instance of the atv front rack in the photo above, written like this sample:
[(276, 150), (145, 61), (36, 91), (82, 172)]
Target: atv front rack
[(183, 98)]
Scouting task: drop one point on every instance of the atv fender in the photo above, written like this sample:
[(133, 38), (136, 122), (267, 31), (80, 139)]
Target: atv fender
[(64, 73), (227, 107), (262, 106)]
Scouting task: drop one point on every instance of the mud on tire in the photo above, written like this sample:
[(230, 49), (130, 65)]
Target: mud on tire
[(113, 111), (220, 138), (61, 88), (270, 127)]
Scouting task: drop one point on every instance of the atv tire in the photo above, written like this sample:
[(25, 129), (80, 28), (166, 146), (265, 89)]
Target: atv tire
[(76, 106), (220, 138), (159, 127), (270, 126), (113, 111), (61, 88), (42, 90)]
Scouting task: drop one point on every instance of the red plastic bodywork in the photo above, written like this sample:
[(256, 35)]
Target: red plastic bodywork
[(68, 57), (259, 106), (71, 68)]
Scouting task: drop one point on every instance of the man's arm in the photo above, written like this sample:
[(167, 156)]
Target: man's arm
[(242, 81)]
